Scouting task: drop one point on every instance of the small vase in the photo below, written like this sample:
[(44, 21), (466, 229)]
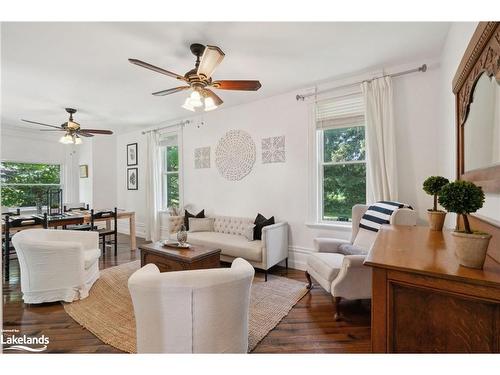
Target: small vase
[(470, 248), (182, 235), (436, 219)]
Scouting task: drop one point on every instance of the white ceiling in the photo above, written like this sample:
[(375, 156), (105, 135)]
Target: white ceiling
[(48, 66)]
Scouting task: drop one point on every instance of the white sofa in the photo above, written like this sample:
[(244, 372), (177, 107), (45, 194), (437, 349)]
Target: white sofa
[(345, 276), (229, 236), (56, 265), (200, 311)]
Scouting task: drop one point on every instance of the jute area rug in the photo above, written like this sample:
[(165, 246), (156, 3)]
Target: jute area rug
[(108, 312)]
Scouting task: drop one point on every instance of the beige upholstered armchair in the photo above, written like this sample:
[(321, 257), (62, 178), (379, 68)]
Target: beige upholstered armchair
[(200, 311), (345, 276)]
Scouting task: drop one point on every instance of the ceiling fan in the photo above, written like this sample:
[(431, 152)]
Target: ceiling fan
[(71, 128), (200, 80)]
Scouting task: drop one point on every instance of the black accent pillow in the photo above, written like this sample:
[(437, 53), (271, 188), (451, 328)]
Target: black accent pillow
[(260, 222), (187, 215)]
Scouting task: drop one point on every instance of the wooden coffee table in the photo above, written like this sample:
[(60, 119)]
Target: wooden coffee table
[(169, 259)]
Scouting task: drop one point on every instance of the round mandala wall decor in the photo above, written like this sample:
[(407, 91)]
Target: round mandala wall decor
[(235, 155)]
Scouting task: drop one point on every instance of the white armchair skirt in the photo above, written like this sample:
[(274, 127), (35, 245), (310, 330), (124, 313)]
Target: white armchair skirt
[(56, 265)]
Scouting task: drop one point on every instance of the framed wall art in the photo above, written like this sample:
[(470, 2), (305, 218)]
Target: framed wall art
[(132, 154), (84, 171), (202, 157), (273, 150), (132, 179)]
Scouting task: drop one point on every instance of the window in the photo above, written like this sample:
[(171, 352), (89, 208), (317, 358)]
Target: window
[(341, 157), (26, 184), (170, 171)]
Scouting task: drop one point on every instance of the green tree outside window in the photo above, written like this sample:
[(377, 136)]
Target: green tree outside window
[(26, 184), (344, 171), (171, 176)]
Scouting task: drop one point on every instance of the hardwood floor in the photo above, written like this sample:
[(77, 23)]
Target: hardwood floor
[(308, 328)]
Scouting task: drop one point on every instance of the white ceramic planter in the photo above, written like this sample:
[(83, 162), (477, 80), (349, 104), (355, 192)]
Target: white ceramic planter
[(436, 219), (471, 248)]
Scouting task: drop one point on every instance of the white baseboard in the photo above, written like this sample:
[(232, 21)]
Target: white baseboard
[(297, 257), (140, 229)]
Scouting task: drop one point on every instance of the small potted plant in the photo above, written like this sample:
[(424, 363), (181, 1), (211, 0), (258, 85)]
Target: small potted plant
[(433, 186), (463, 198)]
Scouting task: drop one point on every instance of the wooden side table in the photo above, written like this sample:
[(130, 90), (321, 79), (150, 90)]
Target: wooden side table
[(169, 259)]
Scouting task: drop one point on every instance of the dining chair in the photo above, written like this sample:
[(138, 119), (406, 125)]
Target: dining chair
[(77, 207), (106, 232)]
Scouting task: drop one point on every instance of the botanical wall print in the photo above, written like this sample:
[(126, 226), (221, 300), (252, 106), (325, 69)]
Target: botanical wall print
[(273, 150), (132, 179), (202, 157), (132, 154), (235, 155)]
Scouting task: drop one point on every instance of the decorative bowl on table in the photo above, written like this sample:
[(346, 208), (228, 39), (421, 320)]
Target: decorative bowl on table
[(176, 245)]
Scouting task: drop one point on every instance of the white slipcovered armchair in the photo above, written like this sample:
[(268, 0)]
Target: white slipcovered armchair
[(56, 265), (199, 311), (345, 276)]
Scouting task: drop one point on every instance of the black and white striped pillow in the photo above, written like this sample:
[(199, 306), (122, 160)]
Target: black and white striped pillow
[(380, 213)]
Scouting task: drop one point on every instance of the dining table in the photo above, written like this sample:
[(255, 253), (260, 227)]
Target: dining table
[(75, 218)]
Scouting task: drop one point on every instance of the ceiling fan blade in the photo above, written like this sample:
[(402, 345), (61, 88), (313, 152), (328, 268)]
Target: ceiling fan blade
[(95, 131), (237, 85), (83, 134), (171, 91), (52, 130), (211, 58), (40, 123), (156, 69), (218, 101)]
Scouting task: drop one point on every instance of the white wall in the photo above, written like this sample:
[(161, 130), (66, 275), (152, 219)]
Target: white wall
[(416, 105), (104, 171), (281, 189), (99, 189), (86, 184)]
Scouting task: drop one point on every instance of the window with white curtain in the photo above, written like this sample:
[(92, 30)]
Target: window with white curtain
[(341, 157), (169, 144)]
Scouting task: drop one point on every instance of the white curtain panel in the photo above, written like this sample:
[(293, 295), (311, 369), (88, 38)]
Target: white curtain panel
[(71, 192), (380, 140), (153, 186)]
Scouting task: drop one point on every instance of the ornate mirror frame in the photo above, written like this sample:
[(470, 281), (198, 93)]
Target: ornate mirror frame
[(481, 56)]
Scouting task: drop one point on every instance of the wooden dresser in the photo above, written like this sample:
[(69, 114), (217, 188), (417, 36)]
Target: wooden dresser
[(425, 302)]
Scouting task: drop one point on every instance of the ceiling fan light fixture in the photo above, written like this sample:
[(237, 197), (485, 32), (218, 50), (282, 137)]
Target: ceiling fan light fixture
[(195, 99), (66, 139), (187, 105), (77, 140), (211, 58), (209, 104)]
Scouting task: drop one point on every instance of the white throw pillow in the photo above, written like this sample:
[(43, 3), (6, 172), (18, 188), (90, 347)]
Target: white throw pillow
[(248, 233), (201, 225)]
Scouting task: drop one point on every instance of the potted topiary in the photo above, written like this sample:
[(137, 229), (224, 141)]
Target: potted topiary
[(432, 186), (463, 198)]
